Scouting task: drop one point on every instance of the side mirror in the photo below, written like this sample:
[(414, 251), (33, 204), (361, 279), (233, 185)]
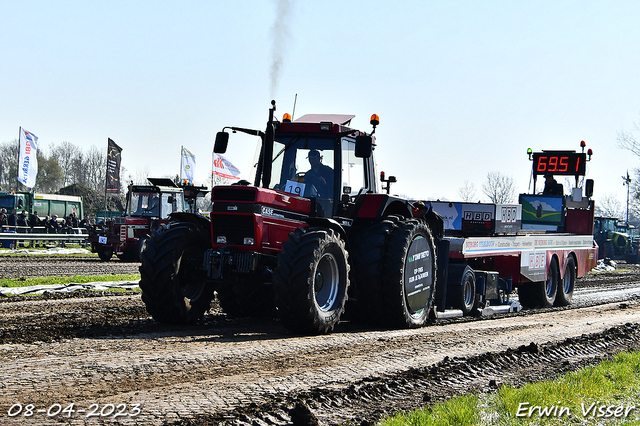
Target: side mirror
[(220, 145), (364, 146), (588, 188)]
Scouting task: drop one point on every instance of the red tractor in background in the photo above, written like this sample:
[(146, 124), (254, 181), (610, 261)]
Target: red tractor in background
[(148, 207), (310, 233)]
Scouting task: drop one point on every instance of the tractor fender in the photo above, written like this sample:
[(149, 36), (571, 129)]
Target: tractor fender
[(198, 219), (324, 222)]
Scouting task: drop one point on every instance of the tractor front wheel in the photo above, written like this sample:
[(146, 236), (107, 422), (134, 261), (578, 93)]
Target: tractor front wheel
[(173, 280), (311, 281)]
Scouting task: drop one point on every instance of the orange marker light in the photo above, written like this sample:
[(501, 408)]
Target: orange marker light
[(375, 120), (286, 118)]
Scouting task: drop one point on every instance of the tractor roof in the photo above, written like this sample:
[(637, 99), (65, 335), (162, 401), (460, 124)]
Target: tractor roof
[(342, 119)]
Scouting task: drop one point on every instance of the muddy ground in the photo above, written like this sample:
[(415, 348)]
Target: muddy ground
[(100, 349)]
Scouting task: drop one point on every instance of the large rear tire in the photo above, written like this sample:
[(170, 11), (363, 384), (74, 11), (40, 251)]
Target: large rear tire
[(311, 281), (567, 283), (173, 280), (368, 259), (409, 275)]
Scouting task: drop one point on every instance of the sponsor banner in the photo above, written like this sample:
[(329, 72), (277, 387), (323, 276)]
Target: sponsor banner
[(188, 165), (223, 167), (28, 160), (114, 157)]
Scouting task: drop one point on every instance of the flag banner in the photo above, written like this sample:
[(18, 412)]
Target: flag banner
[(188, 165), (223, 167), (113, 166), (28, 160)]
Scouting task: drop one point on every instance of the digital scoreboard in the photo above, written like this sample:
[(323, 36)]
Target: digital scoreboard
[(569, 163)]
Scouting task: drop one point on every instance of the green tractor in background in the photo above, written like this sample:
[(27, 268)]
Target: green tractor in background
[(616, 239)]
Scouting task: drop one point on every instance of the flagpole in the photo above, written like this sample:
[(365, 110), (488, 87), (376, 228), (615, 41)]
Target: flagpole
[(181, 160), (106, 180), (18, 162)]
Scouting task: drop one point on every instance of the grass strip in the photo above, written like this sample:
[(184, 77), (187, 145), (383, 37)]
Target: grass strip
[(608, 393), (79, 279)]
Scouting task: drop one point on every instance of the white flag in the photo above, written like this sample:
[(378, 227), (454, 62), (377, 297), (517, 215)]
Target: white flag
[(223, 167), (188, 165), (28, 161)]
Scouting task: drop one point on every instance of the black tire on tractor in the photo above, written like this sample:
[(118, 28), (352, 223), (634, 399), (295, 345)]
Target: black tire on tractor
[(368, 256), (105, 254), (461, 290), (409, 275), (567, 283), (311, 281), (172, 277), (541, 294), (250, 298)]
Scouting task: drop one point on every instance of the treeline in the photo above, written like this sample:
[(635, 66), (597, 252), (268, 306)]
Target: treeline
[(63, 168)]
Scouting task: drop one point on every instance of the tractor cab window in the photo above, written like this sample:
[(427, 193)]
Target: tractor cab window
[(352, 168), (306, 167), (171, 202), (144, 204)]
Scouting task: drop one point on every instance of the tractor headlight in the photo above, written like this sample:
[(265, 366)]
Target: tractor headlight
[(221, 239), (248, 241)]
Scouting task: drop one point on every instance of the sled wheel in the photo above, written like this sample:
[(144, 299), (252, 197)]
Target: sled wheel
[(173, 280), (541, 294), (311, 281), (105, 254), (462, 288), (409, 275), (568, 281)]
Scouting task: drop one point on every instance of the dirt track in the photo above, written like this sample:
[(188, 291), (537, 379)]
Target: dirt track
[(105, 350)]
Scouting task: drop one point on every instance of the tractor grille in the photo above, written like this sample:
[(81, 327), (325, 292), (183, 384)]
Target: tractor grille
[(234, 227), (234, 194)]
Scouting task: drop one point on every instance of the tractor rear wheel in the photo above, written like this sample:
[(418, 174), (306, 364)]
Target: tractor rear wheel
[(409, 275), (567, 283), (311, 281), (105, 254), (368, 257), (173, 280)]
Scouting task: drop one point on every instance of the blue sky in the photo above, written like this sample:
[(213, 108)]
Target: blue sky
[(461, 87)]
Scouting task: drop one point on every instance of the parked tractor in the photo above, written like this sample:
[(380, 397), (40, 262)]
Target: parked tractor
[(616, 239), (148, 207)]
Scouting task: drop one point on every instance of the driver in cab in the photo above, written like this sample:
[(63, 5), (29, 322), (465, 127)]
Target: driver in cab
[(320, 175)]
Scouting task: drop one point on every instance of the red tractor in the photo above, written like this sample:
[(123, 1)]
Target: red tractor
[(310, 233), (148, 207)]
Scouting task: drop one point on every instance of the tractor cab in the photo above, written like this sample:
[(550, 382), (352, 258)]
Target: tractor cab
[(158, 200), (316, 157)]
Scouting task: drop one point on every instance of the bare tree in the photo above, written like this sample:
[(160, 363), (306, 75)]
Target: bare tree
[(610, 206), (95, 166), (9, 165), (500, 189), (67, 155), (467, 192), (628, 141)]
